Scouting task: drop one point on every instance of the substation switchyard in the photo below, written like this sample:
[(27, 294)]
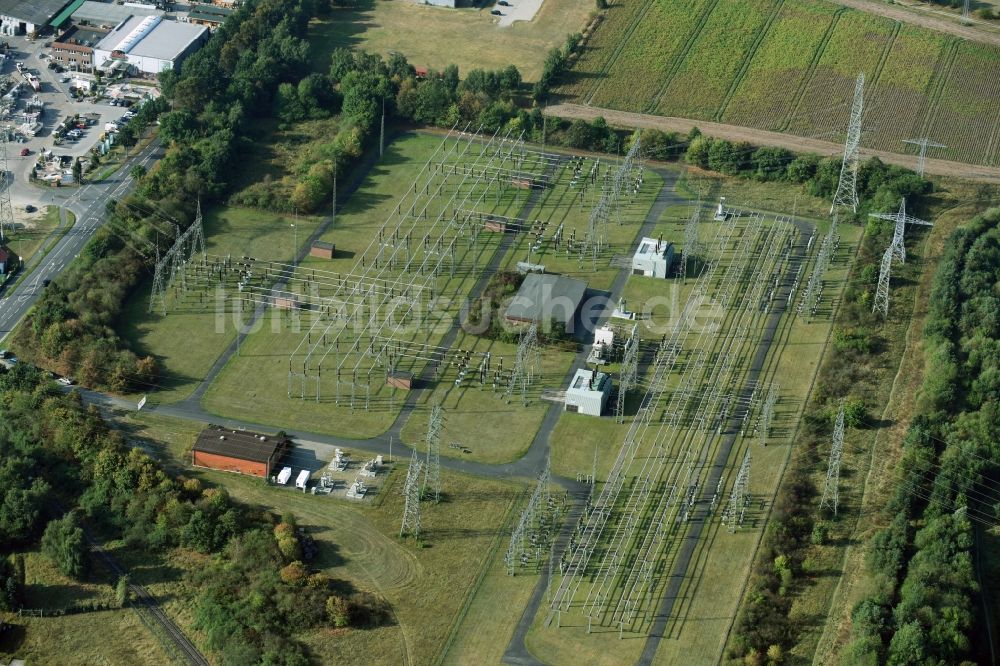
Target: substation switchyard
[(706, 396), (686, 463)]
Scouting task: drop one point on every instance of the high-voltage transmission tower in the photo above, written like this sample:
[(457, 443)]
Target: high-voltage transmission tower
[(411, 495), (172, 265), (767, 414), (895, 252), (432, 470), (847, 187), (527, 364), (924, 144), (6, 208), (629, 377), (881, 302), (831, 489), (900, 219), (525, 536), (739, 498), (690, 239)]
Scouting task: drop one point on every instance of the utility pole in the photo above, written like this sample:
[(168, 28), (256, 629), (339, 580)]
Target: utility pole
[(381, 134), (926, 143), (831, 489), (847, 191)]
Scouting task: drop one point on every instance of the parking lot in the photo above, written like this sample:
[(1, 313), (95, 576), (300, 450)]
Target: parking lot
[(517, 10), (57, 104)]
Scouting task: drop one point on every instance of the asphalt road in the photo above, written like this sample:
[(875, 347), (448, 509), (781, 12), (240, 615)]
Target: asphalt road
[(88, 204)]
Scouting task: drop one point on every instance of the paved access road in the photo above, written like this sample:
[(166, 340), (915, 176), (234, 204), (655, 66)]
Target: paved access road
[(88, 204)]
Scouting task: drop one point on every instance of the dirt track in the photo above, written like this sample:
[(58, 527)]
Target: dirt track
[(766, 138), (915, 14)]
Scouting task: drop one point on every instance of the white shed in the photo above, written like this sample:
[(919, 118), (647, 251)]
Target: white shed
[(653, 258), (588, 392)]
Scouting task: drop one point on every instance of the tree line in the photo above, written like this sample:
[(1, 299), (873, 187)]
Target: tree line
[(56, 452), (924, 605)]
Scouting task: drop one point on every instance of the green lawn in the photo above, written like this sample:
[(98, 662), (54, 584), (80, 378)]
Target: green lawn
[(198, 316), (472, 37)]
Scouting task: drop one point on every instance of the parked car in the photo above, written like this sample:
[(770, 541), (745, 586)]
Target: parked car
[(496, 12), (503, 3), (29, 209), (65, 381), (25, 152)]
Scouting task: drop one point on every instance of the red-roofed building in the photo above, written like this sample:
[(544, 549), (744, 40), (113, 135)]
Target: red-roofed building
[(8, 261)]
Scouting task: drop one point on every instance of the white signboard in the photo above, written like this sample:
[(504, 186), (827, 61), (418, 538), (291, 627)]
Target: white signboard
[(142, 403)]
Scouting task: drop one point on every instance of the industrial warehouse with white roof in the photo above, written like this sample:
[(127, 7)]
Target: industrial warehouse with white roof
[(148, 45)]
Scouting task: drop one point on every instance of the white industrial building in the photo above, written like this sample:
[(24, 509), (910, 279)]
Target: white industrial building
[(23, 17), (148, 45), (653, 258), (588, 392)]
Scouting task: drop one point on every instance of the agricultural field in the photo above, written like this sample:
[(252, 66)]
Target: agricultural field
[(790, 65), (473, 38), (705, 73)]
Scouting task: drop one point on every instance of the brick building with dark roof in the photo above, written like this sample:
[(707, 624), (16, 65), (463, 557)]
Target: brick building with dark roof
[(239, 451)]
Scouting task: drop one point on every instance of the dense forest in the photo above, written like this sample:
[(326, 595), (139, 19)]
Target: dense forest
[(924, 609)]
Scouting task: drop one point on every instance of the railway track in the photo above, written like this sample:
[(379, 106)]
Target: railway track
[(182, 646)]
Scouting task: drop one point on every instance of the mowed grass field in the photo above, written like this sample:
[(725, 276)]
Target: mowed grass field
[(790, 66), (198, 317), (435, 37)]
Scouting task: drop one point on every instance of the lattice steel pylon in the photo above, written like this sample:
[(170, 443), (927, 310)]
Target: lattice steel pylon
[(847, 187), (924, 144), (527, 364), (881, 301), (411, 505), (831, 489), (629, 376), (814, 288), (6, 208), (690, 249), (173, 263), (432, 469), (520, 537), (901, 219), (739, 497), (767, 414)]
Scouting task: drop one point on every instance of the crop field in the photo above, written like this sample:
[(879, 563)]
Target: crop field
[(790, 65), (704, 76)]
